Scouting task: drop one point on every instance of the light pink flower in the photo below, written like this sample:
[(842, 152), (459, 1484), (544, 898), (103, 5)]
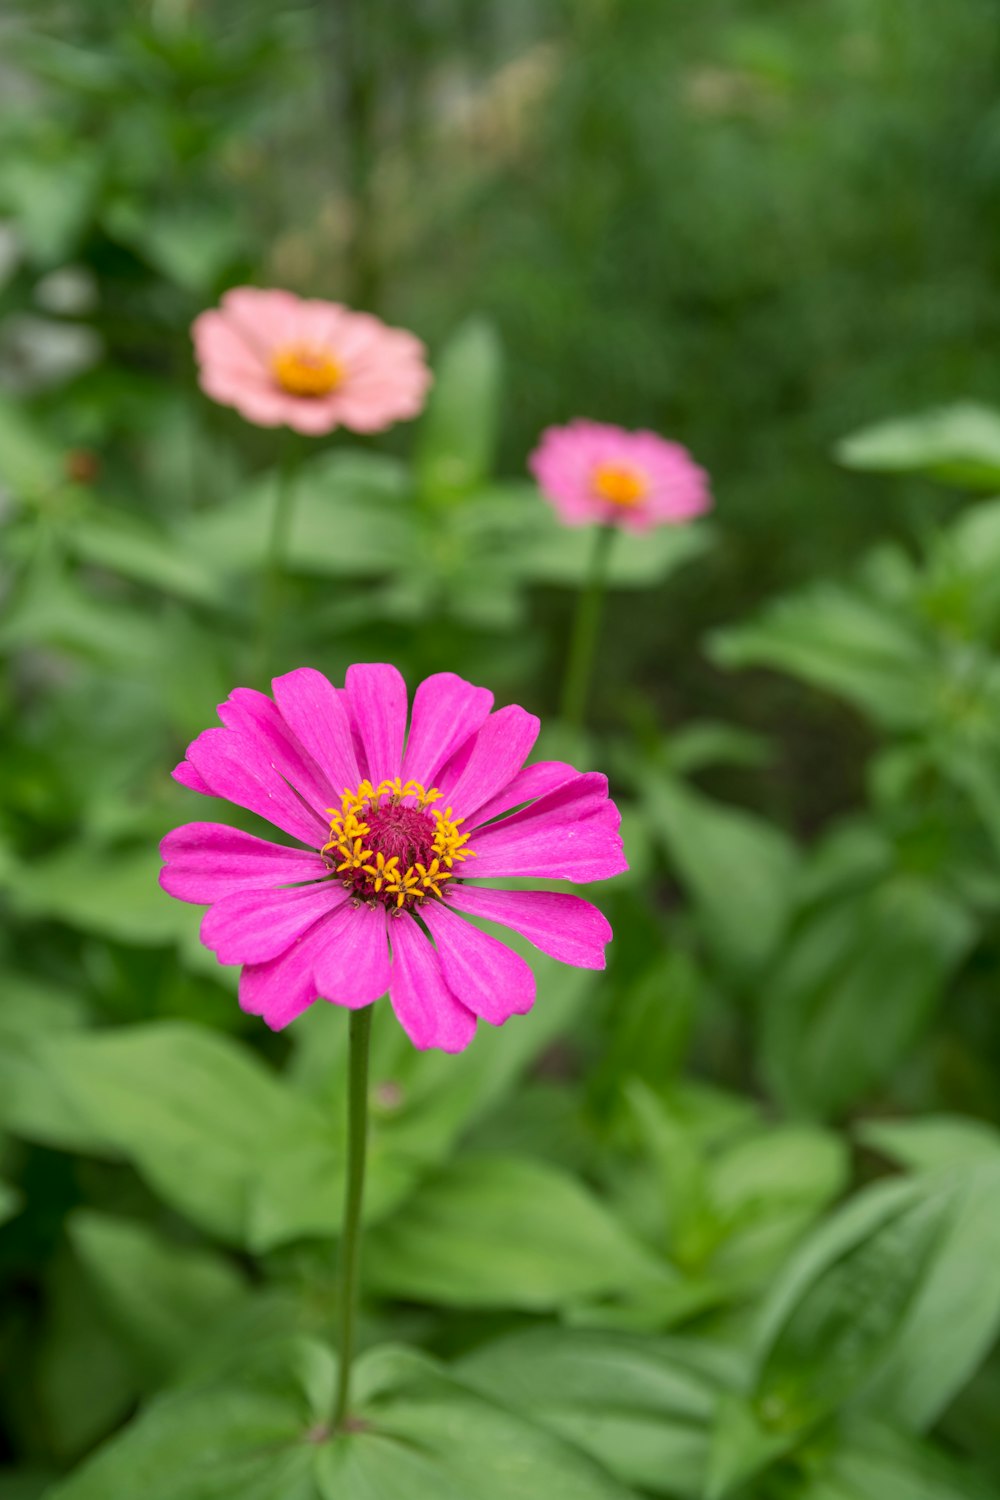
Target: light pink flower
[(377, 898), (283, 361), (594, 472)]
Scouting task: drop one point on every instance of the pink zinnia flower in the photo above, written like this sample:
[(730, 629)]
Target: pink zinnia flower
[(393, 824), (592, 471), (283, 361)]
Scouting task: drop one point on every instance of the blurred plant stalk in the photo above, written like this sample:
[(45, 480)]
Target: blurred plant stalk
[(586, 625), (350, 1255)]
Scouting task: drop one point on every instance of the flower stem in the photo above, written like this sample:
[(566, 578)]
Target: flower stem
[(275, 556), (585, 627), (350, 1254)]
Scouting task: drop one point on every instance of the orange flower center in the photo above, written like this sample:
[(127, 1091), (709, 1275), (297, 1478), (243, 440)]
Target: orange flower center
[(305, 370), (620, 485)]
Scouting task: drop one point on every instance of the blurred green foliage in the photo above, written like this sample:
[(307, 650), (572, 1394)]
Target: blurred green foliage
[(724, 1222)]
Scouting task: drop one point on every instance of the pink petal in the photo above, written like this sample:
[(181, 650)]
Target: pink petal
[(498, 753), (488, 977), (532, 782), (426, 1008), (583, 795), (186, 774), (281, 989), (313, 711), (583, 851), (206, 861), (259, 718), (351, 956), (376, 697), (566, 927), (250, 927), (446, 711), (234, 766)]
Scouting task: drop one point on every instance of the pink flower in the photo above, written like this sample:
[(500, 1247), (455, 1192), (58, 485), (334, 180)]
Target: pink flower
[(376, 901), (283, 361), (592, 471)]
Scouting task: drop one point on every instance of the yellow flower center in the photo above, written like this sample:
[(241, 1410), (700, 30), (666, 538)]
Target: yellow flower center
[(389, 844), (305, 370), (619, 484)]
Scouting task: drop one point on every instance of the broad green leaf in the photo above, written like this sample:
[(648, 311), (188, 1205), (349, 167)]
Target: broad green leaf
[(421, 1102), (194, 1111), (24, 1484), (458, 432), (110, 892), (539, 548), (84, 1381), (885, 953), (741, 871), (265, 1435), (501, 1232), (56, 612), (161, 1297), (31, 465), (958, 445), (32, 1104), (10, 1201), (735, 1207), (835, 1319), (641, 1406), (924, 1145), (124, 544), (838, 640), (954, 1319), (350, 516), (879, 1464), (741, 1448)]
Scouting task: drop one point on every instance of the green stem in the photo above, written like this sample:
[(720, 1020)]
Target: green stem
[(275, 557), (350, 1255), (585, 627)]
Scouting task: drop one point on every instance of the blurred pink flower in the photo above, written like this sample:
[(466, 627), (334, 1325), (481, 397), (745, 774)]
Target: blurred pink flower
[(594, 472), (284, 361), (376, 901)]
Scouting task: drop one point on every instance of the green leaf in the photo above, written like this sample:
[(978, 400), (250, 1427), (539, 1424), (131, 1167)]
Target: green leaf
[(351, 516), (125, 545), (931, 1143), (741, 871), (542, 549), (642, 1407), (85, 1383), (10, 1201), (31, 465), (838, 640), (264, 1435), (194, 1111), (741, 1448), (958, 445), (110, 892), (886, 952), (954, 1319), (502, 1232), (458, 432), (161, 1297), (878, 1464), (32, 1104), (421, 1103), (835, 1319)]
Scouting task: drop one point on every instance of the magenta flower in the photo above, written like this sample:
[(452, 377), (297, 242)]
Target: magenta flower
[(282, 361), (376, 900), (593, 472)]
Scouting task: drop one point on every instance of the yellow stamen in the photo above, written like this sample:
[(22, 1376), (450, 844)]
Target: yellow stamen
[(351, 828), (305, 370), (620, 484)]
